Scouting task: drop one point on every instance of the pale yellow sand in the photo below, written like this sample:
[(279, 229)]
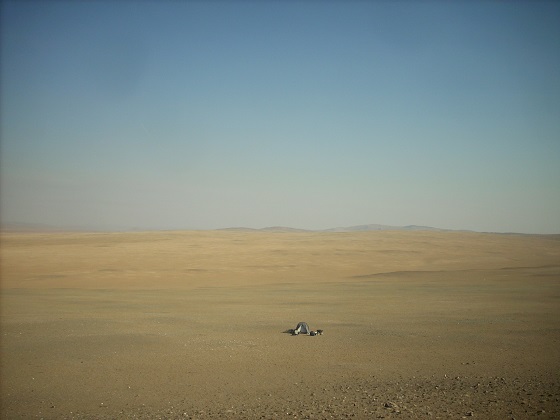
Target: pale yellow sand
[(189, 324)]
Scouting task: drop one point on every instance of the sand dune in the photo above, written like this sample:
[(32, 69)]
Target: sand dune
[(190, 324)]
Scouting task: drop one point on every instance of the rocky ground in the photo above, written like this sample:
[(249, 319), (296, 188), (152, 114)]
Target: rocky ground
[(446, 397), (190, 325)]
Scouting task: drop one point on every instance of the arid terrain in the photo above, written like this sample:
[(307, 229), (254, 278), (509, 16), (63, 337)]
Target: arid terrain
[(191, 325)]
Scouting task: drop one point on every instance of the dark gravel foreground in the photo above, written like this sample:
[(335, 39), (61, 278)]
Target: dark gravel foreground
[(447, 397)]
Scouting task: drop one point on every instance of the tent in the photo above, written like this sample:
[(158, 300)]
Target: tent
[(302, 328)]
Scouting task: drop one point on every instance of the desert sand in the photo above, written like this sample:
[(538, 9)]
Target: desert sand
[(191, 325)]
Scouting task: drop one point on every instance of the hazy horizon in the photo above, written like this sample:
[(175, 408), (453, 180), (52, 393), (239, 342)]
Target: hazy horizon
[(15, 227), (206, 115)]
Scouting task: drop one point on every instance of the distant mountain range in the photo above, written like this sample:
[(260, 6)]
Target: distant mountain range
[(358, 228), (38, 227), (363, 228)]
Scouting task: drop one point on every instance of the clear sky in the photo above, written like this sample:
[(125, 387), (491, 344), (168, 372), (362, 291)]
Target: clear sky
[(308, 114)]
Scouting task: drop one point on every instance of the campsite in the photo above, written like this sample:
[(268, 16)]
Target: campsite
[(279, 209), (191, 324)]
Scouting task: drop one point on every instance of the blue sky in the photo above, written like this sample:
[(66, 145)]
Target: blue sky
[(202, 115)]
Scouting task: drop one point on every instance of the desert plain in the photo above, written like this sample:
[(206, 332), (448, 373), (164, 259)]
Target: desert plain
[(191, 324)]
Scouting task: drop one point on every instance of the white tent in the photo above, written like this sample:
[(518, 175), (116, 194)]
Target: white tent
[(302, 328)]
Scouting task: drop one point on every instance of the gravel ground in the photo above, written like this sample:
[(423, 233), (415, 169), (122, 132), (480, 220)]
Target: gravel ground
[(190, 325), (446, 397)]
